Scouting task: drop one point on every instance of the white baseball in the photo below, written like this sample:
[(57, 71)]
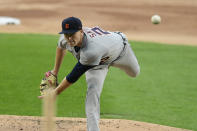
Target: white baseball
[(156, 19)]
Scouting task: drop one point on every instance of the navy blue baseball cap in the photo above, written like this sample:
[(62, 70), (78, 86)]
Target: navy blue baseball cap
[(71, 25)]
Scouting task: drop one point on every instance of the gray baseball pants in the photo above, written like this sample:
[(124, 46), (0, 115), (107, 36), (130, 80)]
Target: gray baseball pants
[(95, 80)]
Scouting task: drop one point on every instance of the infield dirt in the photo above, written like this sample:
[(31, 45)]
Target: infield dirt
[(178, 26), (27, 123)]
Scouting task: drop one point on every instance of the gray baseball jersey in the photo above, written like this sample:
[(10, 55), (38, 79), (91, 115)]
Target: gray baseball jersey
[(98, 47)]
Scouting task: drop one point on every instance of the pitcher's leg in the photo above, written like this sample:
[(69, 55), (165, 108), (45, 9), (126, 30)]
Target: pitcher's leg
[(95, 80), (128, 62)]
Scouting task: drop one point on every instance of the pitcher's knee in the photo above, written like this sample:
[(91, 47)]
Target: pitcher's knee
[(134, 72), (137, 71)]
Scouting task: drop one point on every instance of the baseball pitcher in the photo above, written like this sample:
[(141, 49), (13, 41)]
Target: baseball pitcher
[(96, 50)]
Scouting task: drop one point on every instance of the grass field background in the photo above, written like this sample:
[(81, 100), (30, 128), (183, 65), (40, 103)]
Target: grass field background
[(164, 93)]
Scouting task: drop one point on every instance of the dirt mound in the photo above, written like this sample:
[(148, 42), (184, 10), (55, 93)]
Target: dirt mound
[(29, 123)]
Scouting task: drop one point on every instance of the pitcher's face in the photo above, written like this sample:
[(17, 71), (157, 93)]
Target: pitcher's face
[(74, 39)]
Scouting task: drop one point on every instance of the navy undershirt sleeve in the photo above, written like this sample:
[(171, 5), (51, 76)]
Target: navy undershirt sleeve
[(77, 71)]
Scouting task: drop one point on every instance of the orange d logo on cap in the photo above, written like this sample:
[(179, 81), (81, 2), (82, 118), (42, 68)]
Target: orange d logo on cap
[(67, 26)]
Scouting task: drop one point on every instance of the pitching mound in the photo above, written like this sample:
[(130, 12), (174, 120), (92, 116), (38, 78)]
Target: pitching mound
[(30, 123)]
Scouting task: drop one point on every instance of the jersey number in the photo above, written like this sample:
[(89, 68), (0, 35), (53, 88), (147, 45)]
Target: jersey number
[(97, 31)]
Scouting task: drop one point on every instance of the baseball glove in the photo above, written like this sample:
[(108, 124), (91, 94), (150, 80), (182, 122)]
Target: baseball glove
[(49, 81)]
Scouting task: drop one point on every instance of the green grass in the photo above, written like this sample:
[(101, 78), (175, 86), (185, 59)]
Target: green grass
[(164, 92)]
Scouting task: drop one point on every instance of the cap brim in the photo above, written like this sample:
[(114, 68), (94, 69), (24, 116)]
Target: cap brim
[(68, 31)]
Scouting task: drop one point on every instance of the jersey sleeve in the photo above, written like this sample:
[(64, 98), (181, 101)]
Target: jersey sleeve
[(62, 43)]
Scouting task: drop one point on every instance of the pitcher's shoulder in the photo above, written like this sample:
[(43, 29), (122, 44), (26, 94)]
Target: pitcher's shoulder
[(62, 43)]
